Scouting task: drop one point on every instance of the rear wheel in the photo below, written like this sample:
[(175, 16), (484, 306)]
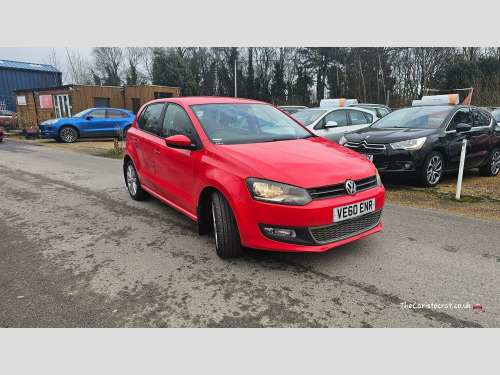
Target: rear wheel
[(133, 184), (432, 170), (68, 134), (227, 236), (493, 166)]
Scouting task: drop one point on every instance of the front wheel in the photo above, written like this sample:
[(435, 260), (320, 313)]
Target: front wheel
[(68, 134), (432, 170), (227, 236), (492, 168)]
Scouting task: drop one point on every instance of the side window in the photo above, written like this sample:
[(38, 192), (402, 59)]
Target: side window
[(462, 116), (338, 116), (382, 112), (150, 118), (177, 121), (487, 117), (113, 113), (479, 119), (98, 113), (357, 117)]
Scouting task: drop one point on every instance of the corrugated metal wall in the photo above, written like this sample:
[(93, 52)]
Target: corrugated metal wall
[(11, 79)]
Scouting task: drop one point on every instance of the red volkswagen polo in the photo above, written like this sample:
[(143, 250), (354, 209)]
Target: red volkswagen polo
[(253, 175)]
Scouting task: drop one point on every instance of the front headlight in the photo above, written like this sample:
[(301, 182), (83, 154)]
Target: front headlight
[(342, 141), (50, 122), (275, 192), (410, 144), (379, 180)]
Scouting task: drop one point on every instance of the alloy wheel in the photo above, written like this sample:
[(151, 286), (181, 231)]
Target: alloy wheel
[(434, 170), (495, 162), (69, 135), (131, 180)]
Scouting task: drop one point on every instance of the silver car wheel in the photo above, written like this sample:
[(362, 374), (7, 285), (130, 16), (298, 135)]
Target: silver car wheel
[(69, 134), (434, 170), (131, 180), (495, 162)]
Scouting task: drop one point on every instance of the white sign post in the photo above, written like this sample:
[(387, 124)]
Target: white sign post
[(461, 169)]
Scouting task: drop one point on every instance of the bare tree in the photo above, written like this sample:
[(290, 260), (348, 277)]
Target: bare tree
[(77, 68), (108, 64)]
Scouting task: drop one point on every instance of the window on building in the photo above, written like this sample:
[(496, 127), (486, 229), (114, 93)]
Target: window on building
[(161, 95), (102, 102)]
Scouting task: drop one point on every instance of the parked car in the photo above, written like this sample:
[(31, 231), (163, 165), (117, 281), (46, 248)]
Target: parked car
[(426, 141), (333, 123), (496, 114), (292, 108), (93, 122), (380, 110), (250, 173)]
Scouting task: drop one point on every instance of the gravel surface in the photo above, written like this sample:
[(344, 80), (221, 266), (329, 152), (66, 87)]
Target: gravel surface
[(77, 251)]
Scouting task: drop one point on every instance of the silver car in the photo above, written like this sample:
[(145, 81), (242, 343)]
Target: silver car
[(333, 123)]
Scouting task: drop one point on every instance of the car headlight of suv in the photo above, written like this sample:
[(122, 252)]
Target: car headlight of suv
[(410, 144), (342, 141), (275, 192), (50, 122)]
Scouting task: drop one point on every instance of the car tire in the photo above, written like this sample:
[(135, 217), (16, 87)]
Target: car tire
[(432, 170), (227, 236), (68, 134), (133, 184), (491, 168)]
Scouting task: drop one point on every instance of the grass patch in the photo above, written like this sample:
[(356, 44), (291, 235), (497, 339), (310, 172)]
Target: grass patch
[(462, 199), (111, 153)]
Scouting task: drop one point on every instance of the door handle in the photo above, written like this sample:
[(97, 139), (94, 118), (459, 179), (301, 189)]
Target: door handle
[(157, 151)]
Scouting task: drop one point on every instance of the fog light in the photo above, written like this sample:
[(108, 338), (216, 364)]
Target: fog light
[(281, 232), (407, 165)]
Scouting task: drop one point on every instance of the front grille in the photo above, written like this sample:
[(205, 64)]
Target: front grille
[(346, 229), (337, 190), (364, 146)]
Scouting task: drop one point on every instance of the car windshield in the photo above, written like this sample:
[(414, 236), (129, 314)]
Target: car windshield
[(238, 123), (308, 116), (415, 117), (80, 114), (496, 115)]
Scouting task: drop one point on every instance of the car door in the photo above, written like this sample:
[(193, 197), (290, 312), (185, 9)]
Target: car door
[(175, 167), (358, 120), (115, 121), (332, 133), (480, 138), (94, 123), (145, 142), (453, 139)]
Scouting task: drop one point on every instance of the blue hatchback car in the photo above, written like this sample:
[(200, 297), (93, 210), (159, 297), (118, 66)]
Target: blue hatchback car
[(93, 122)]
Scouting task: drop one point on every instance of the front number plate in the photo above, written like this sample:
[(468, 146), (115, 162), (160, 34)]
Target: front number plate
[(353, 210)]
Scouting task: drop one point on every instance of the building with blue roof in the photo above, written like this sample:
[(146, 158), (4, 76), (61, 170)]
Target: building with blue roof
[(16, 75)]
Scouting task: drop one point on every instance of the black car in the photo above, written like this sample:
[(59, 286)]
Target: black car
[(380, 110), (496, 114), (292, 108), (426, 141)]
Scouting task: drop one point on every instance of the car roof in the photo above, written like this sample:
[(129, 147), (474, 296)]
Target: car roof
[(193, 100), (118, 109)]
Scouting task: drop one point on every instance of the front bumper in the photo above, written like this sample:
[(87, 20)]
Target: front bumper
[(47, 131), (313, 223)]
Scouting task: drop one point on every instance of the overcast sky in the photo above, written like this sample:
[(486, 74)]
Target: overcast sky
[(39, 54)]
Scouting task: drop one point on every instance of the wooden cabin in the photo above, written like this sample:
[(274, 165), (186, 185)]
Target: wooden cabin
[(40, 104)]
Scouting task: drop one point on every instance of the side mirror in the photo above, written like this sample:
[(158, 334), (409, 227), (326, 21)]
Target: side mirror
[(331, 124), (89, 117), (179, 141), (463, 127)]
